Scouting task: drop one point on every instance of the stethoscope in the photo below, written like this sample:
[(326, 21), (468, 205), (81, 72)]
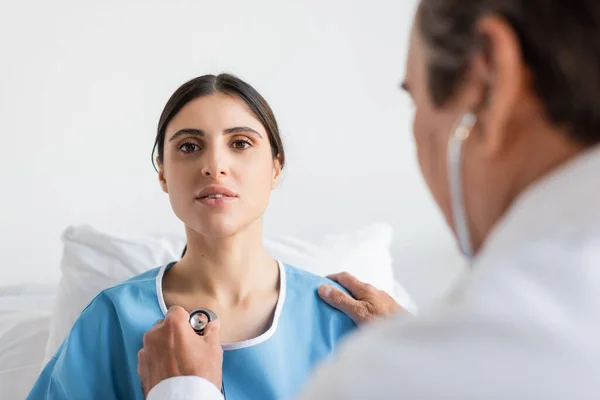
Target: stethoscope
[(199, 319)]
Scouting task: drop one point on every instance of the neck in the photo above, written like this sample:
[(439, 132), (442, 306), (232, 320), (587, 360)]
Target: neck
[(562, 206), (228, 268), (541, 153)]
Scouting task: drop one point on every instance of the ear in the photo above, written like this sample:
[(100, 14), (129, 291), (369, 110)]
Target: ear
[(161, 176), (501, 75), (276, 172)]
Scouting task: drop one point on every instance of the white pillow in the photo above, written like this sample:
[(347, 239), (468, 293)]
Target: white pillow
[(93, 261), (25, 313)]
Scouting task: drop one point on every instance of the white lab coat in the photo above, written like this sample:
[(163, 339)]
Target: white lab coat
[(524, 323)]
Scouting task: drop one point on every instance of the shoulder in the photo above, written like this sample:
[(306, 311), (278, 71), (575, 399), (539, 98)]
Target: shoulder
[(404, 355), (304, 279), (111, 317), (302, 287), (143, 284), (114, 307), (386, 363)]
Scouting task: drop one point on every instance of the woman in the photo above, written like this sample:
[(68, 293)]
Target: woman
[(219, 157), (507, 130)]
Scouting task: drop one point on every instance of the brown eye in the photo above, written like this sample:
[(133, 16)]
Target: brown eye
[(188, 147), (241, 144)]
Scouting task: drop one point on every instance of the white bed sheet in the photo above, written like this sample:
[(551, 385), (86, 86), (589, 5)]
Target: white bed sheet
[(25, 313)]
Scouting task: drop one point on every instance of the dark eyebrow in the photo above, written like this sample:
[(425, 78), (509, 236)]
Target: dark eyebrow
[(186, 131), (200, 132), (241, 129)]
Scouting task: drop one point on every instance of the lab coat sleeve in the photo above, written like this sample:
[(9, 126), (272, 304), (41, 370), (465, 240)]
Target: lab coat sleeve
[(323, 385), (185, 388), (365, 366)]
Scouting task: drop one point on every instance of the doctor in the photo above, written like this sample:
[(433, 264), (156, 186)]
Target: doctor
[(507, 128)]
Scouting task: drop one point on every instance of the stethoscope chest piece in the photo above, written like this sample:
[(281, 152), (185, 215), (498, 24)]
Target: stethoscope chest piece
[(200, 318)]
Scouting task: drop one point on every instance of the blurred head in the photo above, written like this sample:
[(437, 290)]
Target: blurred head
[(219, 154), (526, 73)]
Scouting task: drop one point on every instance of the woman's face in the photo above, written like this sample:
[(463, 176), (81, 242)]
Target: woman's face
[(218, 167)]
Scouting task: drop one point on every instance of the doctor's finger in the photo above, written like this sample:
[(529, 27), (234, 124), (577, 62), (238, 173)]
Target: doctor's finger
[(158, 323), (357, 288), (177, 313), (212, 332), (338, 299)]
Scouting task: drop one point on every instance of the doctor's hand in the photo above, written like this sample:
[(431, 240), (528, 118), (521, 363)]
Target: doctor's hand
[(172, 348), (368, 303)]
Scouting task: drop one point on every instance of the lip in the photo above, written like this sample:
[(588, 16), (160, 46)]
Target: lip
[(214, 190), (227, 196)]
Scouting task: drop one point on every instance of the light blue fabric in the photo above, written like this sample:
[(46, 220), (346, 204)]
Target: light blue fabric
[(98, 359)]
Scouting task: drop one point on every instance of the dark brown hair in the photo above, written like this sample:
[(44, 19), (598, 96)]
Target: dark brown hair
[(560, 42), (226, 84)]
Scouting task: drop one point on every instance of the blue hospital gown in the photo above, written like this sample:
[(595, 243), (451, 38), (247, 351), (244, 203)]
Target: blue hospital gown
[(98, 359)]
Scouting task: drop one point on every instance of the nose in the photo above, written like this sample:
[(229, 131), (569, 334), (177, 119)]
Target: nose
[(214, 164)]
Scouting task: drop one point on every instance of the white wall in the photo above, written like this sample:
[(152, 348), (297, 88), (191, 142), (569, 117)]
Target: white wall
[(82, 84)]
